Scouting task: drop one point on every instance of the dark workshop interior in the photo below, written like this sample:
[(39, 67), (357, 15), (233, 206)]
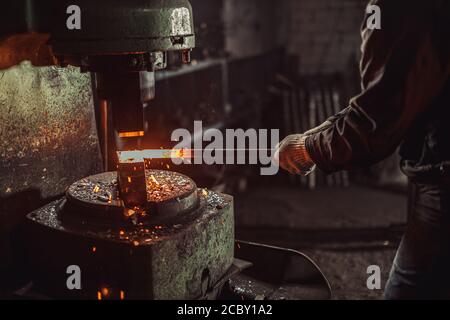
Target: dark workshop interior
[(73, 97)]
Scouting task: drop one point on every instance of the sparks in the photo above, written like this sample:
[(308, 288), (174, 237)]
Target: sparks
[(129, 212), (154, 179), (105, 291), (96, 189)]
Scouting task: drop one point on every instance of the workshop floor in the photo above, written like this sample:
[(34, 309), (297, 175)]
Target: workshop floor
[(343, 230)]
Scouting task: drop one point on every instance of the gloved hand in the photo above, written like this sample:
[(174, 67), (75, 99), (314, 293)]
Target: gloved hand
[(291, 155)]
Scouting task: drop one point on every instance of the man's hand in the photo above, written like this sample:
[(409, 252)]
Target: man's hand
[(291, 155)]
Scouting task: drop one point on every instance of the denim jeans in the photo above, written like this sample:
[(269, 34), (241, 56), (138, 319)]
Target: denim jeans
[(421, 269)]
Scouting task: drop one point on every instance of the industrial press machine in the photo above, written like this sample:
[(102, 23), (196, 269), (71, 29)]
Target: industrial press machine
[(134, 232)]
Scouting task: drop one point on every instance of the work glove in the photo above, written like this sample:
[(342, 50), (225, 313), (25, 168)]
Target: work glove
[(291, 155)]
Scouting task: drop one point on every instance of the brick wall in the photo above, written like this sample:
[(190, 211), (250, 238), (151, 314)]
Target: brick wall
[(325, 34)]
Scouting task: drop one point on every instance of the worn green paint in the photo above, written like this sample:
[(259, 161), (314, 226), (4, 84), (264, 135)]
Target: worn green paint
[(114, 26), (207, 245), (169, 266)]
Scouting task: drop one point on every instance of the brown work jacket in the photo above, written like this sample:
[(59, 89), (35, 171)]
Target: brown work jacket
[(405, 98)]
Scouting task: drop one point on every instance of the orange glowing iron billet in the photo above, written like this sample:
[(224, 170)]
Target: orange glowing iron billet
[(136, 156), (131, 173)]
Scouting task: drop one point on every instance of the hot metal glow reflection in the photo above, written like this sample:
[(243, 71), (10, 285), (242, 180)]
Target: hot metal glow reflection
[(131, 134)]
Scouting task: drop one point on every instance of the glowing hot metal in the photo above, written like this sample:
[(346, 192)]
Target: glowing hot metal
[(137, 156)]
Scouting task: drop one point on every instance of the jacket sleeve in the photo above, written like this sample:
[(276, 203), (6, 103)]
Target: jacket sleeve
[(402, 71)]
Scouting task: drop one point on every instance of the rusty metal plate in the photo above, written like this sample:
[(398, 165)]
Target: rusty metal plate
[(48, 139)]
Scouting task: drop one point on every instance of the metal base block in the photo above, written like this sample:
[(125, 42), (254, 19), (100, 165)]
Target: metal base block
[(181, 260)]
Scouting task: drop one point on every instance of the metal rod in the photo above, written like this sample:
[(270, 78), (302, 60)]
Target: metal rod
[(141, 155)]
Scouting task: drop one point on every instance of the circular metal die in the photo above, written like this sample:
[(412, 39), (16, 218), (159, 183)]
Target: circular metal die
[(168, 196)]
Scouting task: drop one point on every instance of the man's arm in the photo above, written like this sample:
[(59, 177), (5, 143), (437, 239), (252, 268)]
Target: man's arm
[(401, 73)]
